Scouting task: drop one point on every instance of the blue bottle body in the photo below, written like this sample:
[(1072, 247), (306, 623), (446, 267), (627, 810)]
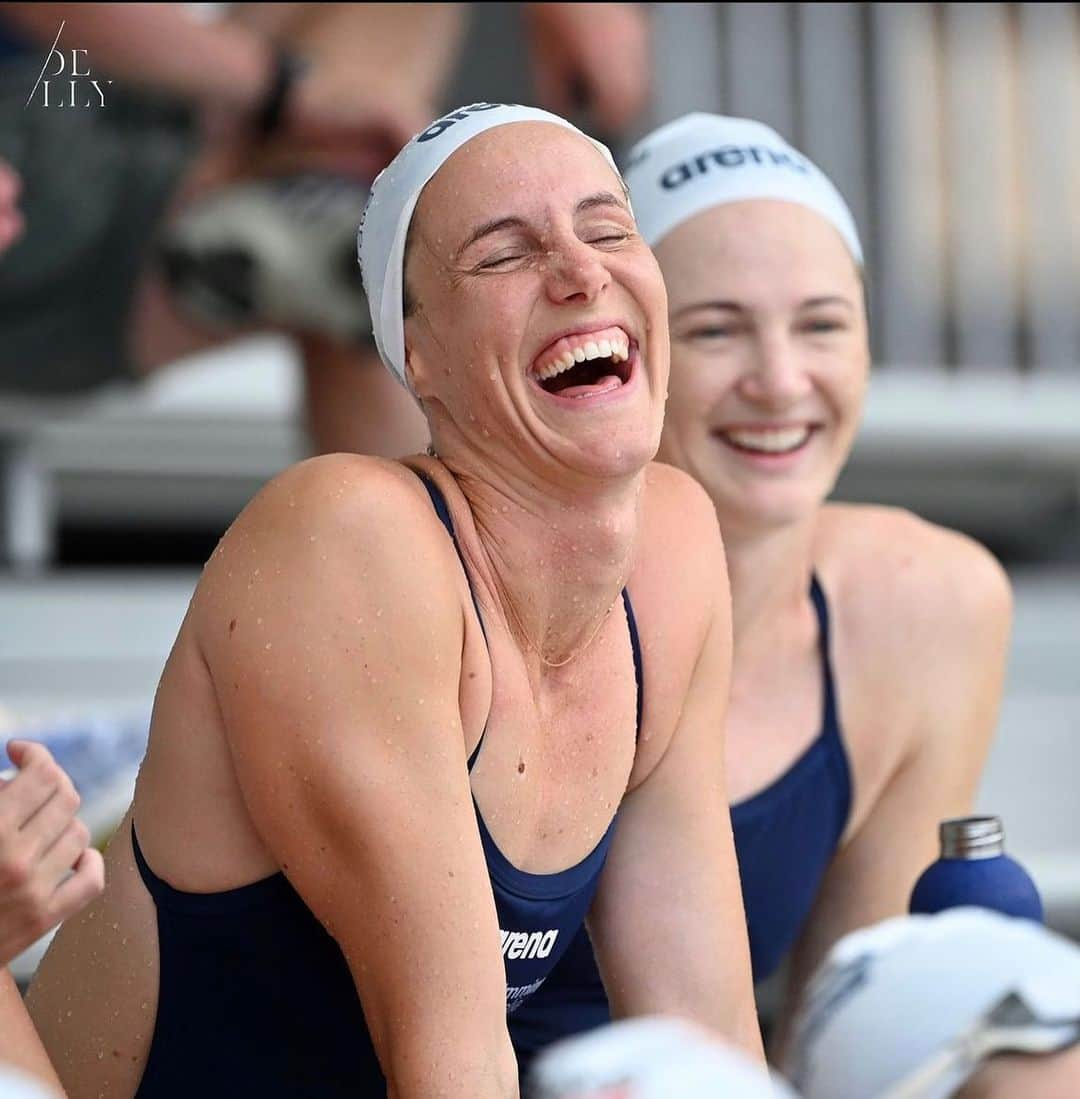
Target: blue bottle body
[(999, 883)]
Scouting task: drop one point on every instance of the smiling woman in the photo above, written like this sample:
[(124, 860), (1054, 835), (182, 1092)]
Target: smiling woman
[(869, 646), (404, 711)]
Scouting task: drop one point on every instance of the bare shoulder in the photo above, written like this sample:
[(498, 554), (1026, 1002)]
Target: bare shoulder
[(910, 589), (333, 528), (679, 532), (681, 598)]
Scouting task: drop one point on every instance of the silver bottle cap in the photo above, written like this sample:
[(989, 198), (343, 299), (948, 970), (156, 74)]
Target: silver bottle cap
[(972, 838)]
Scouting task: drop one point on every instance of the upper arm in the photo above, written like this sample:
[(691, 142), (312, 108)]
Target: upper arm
[(333, 634), (956, 642), (668, 923), (20, 1046)]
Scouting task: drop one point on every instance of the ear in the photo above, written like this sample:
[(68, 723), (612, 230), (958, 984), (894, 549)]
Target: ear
[(415, 374)]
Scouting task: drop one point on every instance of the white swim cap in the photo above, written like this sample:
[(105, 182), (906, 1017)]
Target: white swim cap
[(902, 1008), (650, 1057), (394, 194), (704, 160)]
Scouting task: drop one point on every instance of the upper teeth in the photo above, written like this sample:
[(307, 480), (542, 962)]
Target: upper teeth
[(772, 440), (614, 347)]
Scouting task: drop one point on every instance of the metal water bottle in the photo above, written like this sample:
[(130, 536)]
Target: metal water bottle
[(974, 870)]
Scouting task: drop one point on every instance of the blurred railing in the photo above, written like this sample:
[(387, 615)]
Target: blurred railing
[(954, 132)]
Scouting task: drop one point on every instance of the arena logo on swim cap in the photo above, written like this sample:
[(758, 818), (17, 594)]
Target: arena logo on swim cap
[(443, 124), (729, 156)]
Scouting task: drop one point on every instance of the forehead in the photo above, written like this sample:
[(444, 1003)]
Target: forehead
[(743, 244), (520, 169)]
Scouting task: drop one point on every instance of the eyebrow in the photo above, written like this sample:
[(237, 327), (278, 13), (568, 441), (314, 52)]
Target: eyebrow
[(738, 307), (495, 225)]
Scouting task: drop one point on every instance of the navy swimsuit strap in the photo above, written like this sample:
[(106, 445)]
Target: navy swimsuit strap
[(829, 714), (438, 502), (639, 671)]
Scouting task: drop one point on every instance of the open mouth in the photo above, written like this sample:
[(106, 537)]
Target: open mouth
[(585, 365)]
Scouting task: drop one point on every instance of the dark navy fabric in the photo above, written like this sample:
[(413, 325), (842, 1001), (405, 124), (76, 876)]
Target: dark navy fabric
[(785, 837), (255, 997), (14, 44)]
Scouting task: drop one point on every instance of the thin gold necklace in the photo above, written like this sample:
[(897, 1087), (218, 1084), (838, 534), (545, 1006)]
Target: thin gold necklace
[(525, 634), (576, 652)]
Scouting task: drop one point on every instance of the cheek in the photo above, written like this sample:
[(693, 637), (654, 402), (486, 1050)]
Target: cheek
[(695, 386)]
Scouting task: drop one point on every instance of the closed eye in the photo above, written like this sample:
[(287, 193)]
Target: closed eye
[(610, 238), (497, 261)]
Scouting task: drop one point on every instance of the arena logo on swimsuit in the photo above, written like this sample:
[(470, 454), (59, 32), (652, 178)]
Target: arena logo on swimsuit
[(443, 124), (523, 944), (729, 156)]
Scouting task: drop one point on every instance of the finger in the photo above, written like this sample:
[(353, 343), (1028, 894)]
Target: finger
[(86, 883), (64, 853), (38, 779), (50, 823)]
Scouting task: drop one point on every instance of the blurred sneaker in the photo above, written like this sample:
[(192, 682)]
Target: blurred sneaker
[(278, 251)]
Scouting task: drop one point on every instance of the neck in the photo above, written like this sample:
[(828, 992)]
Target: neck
[(769, 571), (555, 558)]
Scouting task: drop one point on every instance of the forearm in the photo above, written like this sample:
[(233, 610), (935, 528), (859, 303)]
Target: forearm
[(20, 1046), (161, 46), (455, 1071), (421, 41)]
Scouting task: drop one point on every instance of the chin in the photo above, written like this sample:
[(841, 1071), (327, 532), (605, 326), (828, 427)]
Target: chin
[(759, 508)]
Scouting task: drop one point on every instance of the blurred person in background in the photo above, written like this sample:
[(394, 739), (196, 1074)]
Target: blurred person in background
[(48, 871), (870, 646), (11, 219), (216, 190)]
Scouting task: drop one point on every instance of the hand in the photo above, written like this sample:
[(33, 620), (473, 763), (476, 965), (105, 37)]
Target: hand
[(11, 220), (41, 840), (593, 57), (336, 112)]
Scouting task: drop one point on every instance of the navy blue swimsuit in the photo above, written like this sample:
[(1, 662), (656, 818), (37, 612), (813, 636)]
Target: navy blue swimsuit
[(785, 838), (255, 997)]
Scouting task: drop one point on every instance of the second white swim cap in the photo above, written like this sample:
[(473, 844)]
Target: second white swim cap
[(394, 194), (704, 160)]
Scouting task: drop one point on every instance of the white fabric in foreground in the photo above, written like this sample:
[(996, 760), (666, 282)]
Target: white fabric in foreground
[(893, 997)]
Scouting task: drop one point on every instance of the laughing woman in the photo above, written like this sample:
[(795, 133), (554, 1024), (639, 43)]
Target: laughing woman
[(869, 645), (409, 700)]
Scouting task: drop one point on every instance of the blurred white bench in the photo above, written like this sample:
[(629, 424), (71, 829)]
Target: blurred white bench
[(189, 445)]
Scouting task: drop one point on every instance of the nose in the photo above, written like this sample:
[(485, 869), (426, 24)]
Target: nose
[(775, 378), (576, 273)]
